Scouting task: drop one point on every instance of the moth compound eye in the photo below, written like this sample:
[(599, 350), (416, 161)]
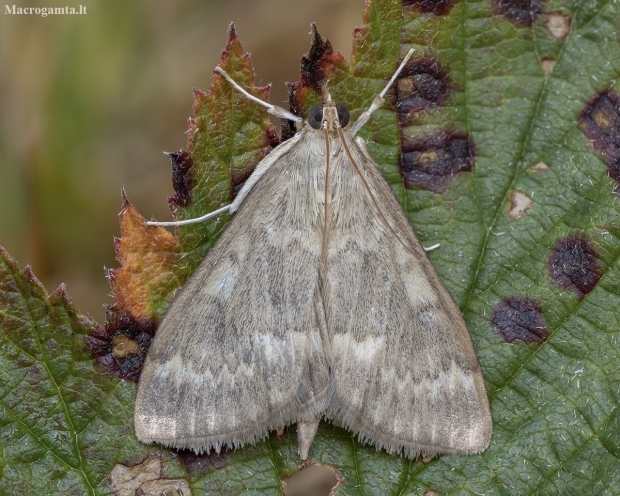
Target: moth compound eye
[(343, 115), (315, 116)]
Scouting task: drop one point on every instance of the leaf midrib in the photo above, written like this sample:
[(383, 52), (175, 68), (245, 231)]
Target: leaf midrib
[(81, 469)]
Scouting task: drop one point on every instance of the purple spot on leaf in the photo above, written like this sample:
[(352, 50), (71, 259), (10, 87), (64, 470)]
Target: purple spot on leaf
[(239, 178), (182, 178), (519, 12), (518, 317), (431, 161), (437, 7), (204, 463), (314, 62), (120, 348), (574, 265), (601, 123), (422, 85)]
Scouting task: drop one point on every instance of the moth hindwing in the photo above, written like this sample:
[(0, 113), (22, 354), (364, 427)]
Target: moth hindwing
[(317, 301)]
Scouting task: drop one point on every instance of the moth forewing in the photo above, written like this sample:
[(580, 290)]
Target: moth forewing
[(240, 351), (405, 375)]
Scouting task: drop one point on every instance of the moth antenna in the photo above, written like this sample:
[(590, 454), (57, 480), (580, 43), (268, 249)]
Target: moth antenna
[(271, 109), (378, 100), (190, 221), (431, 248)]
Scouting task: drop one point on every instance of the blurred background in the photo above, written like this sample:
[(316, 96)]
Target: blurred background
[(89, 102)]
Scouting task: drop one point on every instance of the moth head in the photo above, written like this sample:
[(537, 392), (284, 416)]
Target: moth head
[(328, 116)]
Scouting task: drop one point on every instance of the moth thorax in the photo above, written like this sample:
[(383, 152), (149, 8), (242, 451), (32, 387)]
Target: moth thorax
[(330, 116)]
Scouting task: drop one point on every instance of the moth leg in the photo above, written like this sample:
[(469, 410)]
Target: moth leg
[(306, 430), (208, 216), (431, 248), (378, 100)]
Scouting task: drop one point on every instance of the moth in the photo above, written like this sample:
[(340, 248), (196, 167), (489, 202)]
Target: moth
[(318, 301)]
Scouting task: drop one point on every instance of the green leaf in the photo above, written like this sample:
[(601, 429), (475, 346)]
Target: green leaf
[(501, 139), (62, 422)]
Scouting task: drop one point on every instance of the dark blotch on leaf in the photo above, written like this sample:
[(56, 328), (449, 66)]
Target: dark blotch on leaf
[(614, 169), (182, 178), (120, 348), (272, 137), (601, 123), (518, 317), (422, 85), (601, 118), (287, 128), (437, 7), (320, 64), (200, 465), (312, 68), (124, 200), (239, 178), (519, 12), (574, 265), (430, 162)]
